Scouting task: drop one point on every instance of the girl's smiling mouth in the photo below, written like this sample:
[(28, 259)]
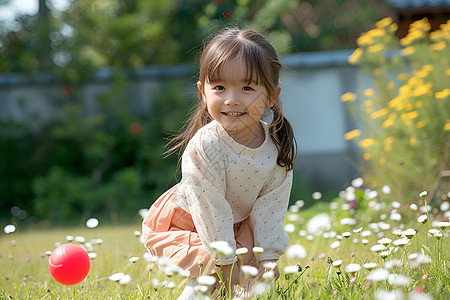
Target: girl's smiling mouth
[(234, 114)]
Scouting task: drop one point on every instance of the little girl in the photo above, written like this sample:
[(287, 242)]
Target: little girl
[(236, 169)]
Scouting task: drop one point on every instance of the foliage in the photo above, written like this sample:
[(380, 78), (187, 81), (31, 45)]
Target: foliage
[(339, 262), (131, 34), (405, 135), (104, 163)]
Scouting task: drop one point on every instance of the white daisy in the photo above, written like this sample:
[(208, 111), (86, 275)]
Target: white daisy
[(319, 224), (290, 269), (206, 280), (400, 242), (296, 251), (337, 263), (222, 248), (335, 244), (378, 275), (125, 279), (409, 233), (378, 248), (317, 195), (92, 223), (10, 228), (423, 194), (384, 241), (352, 268), (422, 219), (357, 182), (386, 189), (289, 228), (250, 271), (398, 280), (133, 259)]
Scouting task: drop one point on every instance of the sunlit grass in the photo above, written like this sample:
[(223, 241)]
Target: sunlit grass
[(380, 252)]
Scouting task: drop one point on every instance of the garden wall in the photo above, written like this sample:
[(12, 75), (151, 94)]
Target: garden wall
[(312, 84)]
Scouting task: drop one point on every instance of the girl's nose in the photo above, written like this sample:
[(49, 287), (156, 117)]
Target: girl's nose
[(232, 98)]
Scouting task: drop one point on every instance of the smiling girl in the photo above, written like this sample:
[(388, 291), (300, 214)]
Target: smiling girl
[(236, 168)]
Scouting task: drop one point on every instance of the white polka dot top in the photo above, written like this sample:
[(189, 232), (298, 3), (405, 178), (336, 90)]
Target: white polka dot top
[(224, 182)]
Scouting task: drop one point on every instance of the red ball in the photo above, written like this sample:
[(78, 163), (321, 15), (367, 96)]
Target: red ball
[(69, 264)]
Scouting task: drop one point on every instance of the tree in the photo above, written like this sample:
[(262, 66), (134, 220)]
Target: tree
[(130, 34)]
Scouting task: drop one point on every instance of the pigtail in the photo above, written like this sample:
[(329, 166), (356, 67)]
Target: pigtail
[(282, 135)]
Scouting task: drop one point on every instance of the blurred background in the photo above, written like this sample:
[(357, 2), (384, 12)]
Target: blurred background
[(90, 89)]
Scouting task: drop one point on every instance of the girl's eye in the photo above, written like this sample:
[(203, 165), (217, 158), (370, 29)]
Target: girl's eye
[(219, 88), (247, 89)]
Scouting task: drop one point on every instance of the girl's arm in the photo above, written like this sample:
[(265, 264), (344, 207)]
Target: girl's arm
[(203, 188), (268, 215)]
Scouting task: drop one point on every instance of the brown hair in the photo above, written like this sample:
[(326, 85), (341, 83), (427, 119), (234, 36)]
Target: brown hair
[(262, 61)]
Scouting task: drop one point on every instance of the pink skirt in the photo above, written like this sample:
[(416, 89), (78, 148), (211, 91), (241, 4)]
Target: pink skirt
[(169, 231)]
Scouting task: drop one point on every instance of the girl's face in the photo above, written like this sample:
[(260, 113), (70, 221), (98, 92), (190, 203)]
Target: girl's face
[(236, 103)]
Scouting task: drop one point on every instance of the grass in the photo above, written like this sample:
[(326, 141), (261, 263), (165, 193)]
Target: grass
[(315, 275)]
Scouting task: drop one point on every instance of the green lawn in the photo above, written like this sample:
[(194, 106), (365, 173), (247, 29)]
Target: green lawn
[(25, 275)]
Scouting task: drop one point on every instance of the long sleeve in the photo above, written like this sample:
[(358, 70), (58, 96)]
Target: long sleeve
[(269, 213), (204, 188)]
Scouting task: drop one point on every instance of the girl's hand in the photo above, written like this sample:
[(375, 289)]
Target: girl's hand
[(261, 269)]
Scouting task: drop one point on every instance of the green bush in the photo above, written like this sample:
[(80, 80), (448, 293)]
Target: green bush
[(104, 164)]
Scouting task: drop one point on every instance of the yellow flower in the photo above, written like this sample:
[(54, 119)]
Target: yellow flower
[(391, 85), (379, 113), (375, 48), (393, 27), (436, 35), (407, 51), (382, 161), (421, 24), (442, 94), (438, 46), (395, 101), (419, 104), (347, 97), (366, 156), (369, 92), (365, 143), (354, 57), (413, 114), (420, 124), (384, 22), (428, 67), (364, 40), (447, 72), (377, 32), (387, 147), (400, 106), (447, 126), (352, 134), (412, 141), (389, 140), (424, 89), (388, 123), (422, 73)]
